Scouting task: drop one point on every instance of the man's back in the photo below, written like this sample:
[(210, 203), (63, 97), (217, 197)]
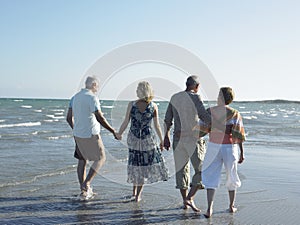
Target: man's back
[(185, 108), (84, 104), (185, 113)]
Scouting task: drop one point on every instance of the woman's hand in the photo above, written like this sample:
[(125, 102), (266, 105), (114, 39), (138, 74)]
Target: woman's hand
[(118, 136), (241, 158), (161, 145)]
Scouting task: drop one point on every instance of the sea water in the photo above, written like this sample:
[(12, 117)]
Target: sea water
[(38, 181)]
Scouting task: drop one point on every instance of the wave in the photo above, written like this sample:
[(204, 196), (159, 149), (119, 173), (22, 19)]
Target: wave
[(245, 112), (49, 121), (275, 101), (29, 124), (55, 117), (107, 106), (57, 110), (259, 112), (273, 114), (26, 106), (67, 170), (250, 117), (59, 113), (59, 137)]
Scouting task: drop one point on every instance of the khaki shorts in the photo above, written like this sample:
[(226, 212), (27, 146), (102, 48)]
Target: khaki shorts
[(91, 149), (185, 151)]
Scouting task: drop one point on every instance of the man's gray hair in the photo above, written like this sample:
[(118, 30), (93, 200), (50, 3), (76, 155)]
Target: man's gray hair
[(192, 81), (90, 81)]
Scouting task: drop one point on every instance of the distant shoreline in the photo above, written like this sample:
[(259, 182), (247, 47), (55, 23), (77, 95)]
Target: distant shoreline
[(275, 101)]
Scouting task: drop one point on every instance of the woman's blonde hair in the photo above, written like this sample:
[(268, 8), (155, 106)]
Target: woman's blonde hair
[(144, 91)]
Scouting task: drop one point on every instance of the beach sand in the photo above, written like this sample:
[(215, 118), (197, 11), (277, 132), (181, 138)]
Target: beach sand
[(269, 195)]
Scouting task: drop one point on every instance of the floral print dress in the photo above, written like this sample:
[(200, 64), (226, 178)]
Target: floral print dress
[(145, 162)]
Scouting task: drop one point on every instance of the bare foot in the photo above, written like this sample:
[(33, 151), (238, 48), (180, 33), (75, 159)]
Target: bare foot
[(185, 206), (208, 214), (191, 204), (138, 199), (232, 209)]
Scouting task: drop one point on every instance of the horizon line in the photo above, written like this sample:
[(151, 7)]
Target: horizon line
[(278, 100)]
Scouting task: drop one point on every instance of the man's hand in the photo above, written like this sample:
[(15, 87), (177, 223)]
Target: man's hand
[(167, 143)]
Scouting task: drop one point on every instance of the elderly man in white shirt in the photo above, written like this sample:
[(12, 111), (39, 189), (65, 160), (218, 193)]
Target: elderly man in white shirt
[(84, 117)]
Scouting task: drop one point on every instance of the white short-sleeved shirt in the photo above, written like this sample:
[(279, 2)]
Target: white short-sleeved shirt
[(83, 105)]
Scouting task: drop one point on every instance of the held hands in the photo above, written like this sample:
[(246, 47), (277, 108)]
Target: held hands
[(115, 135), (118, 136)]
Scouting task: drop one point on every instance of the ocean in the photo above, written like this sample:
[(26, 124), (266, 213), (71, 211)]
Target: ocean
[(38, 180)]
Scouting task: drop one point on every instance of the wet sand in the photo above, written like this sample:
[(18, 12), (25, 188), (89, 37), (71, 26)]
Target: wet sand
[(269, 195)]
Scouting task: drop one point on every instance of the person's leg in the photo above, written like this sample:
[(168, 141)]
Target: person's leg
[(81, 172), (92, 173), (139, 190), (211, 174), (232, 194), (182, 180), (184, 193), (190, 201), (230, 159), (197, 157), (182, 168), (230, 155), (134, 190), (97, 164), (210, 202)]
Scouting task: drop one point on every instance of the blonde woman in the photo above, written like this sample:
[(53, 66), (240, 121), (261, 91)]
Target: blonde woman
[(145, 162)]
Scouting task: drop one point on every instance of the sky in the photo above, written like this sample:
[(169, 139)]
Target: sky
[(47, 46)]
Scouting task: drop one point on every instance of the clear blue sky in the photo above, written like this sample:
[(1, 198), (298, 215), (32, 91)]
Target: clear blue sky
[(46, 46)]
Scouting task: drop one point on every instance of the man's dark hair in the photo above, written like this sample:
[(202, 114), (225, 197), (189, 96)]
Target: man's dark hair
[(192, 81)]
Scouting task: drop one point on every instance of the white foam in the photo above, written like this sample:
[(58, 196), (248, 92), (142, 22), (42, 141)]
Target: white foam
[(53, 138), (59, 137), (259, 112), (250, 117), (29, 124), (26, 106), (107, 106), (18, 100), (1, 121), (55, 117), (245, 112), (37, 110)]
